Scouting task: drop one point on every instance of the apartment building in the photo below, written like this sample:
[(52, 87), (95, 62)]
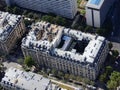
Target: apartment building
[(65, 8), (96, 11), (16, 79), (65, 49), (11, 29)]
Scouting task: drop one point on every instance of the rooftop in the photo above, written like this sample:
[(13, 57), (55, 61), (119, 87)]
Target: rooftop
[(7, 24), (26, 80), (67, 44), (96, 4)]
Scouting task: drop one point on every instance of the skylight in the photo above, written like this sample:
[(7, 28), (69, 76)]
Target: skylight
[(96, 2)]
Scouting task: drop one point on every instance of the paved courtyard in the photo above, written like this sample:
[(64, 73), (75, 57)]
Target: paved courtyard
[(12, 64)]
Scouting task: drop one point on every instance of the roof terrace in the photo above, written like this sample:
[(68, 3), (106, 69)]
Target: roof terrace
[(42, 36)]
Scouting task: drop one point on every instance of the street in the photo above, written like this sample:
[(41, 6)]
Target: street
[(115, 35), (61, 83)]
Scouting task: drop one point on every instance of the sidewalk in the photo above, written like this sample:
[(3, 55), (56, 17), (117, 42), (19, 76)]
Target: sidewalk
[(72, 87)]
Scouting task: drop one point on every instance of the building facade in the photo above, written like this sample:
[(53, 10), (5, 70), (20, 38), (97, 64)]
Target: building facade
[(65, 8), (16, 79), (65, 49), (96, 11), (11, 29)]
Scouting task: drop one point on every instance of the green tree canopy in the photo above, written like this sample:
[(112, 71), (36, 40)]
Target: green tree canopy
[(60, 21), (30, 15), (17, 10), (114, 81), (54, 72), (28, 61), (36, 16), (27, 22), (115, 53), (48, 18), (109, 69), (66, 76), (110, 45), (101, 31), (8, 9), (103, 77), (88, 29)]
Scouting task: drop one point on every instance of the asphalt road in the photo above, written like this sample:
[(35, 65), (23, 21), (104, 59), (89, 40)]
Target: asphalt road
[(116, 20), (115, 36)]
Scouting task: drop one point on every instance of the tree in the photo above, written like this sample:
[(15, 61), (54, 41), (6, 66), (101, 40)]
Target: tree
[(81, 28), (86, 81), (36, 16), (100, 31), (75, 26), (112, 85), (66, 76), (27, 22), (48, 18), (78, 78), (60, 74), (30, 15), (82, 12), (8, 9), (72, 77), (110, 45), (114, 81), (15, 10), (28, 61), (60, 21), (115, 53), (103, 77), (54, 72), (88, 29), (109, 69), (111, 59)]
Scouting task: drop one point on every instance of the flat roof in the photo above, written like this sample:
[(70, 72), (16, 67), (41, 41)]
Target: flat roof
[(25, 80), (96, 2)]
